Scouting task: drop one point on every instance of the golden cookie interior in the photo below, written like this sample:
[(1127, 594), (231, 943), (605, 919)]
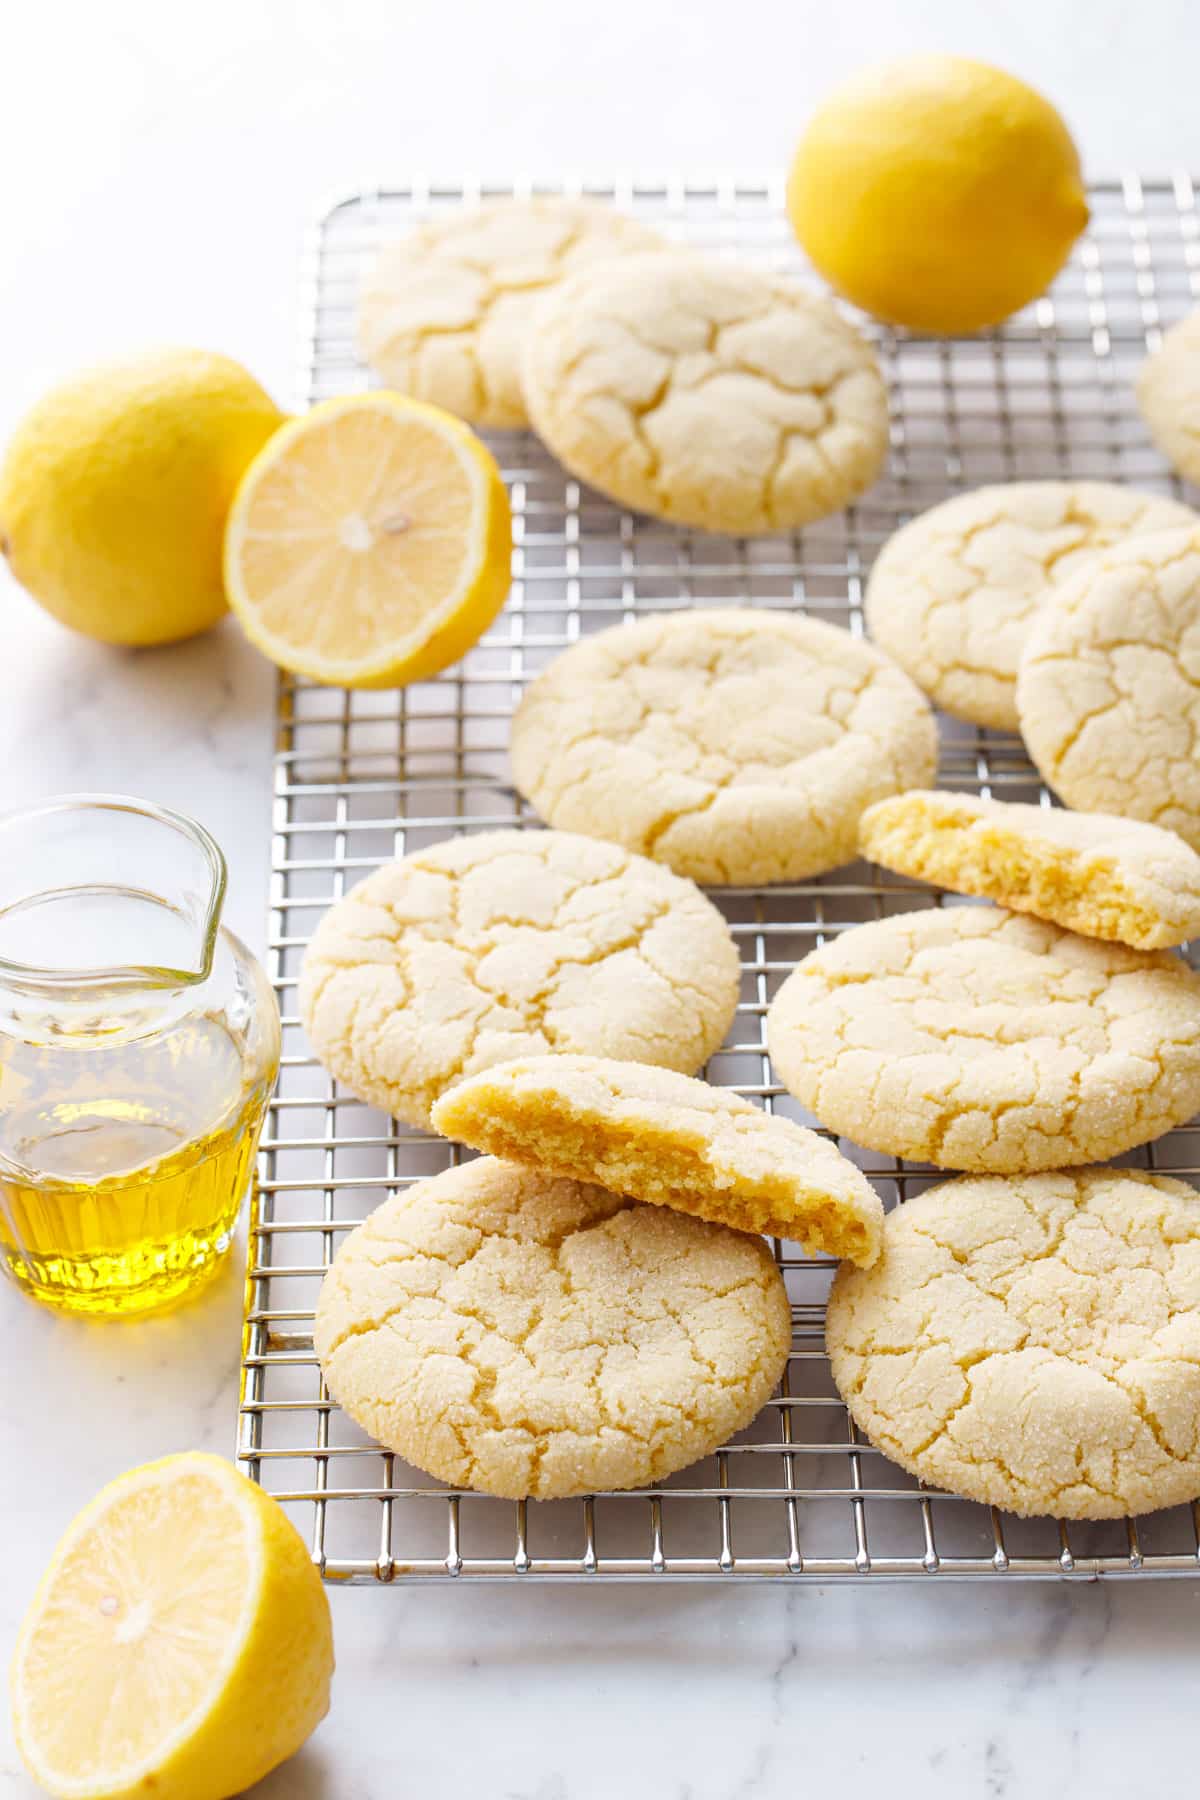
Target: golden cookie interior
[(1118, 879), (676, 1142)]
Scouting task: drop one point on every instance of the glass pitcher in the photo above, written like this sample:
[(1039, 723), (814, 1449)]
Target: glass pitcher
[(139, 1043)]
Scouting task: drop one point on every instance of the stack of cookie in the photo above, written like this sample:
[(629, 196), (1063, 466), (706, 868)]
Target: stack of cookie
[(584, 1307), (592, 1310), (1069, 611), (1027, 1339), (693, 388), (590, 1304)]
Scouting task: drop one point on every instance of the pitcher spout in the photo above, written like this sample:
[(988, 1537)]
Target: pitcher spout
[(101, 895)]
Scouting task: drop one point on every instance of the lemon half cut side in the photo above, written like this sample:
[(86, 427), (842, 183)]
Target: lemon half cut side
[(179, 1643), (370, 542)]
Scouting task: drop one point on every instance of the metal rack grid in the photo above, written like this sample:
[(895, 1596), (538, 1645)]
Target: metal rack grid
[(362, 777)]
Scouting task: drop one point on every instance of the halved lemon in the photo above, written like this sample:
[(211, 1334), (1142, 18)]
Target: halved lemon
[(179, 1644), (369, 543)]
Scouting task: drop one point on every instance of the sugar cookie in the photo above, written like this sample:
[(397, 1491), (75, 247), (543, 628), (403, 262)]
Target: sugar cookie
[(1033, 1342), (977, 1039), (733, 745), (522, 1335), (1168, 393), (446, 311), (1109, 688), (513, 943), (706, 392), (1106, 877), (662, 1137), (953, 593)]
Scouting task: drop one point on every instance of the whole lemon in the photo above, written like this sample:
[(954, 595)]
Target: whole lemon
[(937, 192), (115, 487)]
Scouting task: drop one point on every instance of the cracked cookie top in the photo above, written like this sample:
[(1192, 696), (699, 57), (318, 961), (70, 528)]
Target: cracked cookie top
[(446, 310), (513, 943), (1168, 393), (953, 593), (1033, 1342), (734, 745), (663, 1137), (1109, 688), (706, 392), (973, 1038), (522, 1335), (1119, 879)]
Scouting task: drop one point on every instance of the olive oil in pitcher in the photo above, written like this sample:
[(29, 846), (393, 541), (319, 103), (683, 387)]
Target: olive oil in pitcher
[(131, 1093)]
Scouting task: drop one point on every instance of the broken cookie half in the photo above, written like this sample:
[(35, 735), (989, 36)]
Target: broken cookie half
[(1118, 879), (670, 1140)]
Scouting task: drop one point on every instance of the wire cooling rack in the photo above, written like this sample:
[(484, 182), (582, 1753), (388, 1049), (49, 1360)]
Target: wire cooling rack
[(363, 777)]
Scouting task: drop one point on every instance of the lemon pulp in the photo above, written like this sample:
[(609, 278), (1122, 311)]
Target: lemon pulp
[(178, 1643), (370, 542)]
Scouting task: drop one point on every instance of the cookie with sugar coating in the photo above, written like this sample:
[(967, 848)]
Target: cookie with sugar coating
[(1109, 686), (1032, 1342), (446, 310), (1168, 394), (518, 1334), (1095, 873), (667, 1139), (974, 1038), (706, 392), (506, 943), (733, 744), (953, 594)]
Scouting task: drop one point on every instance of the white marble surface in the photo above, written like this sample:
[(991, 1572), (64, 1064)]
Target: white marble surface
[(160, 163)]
